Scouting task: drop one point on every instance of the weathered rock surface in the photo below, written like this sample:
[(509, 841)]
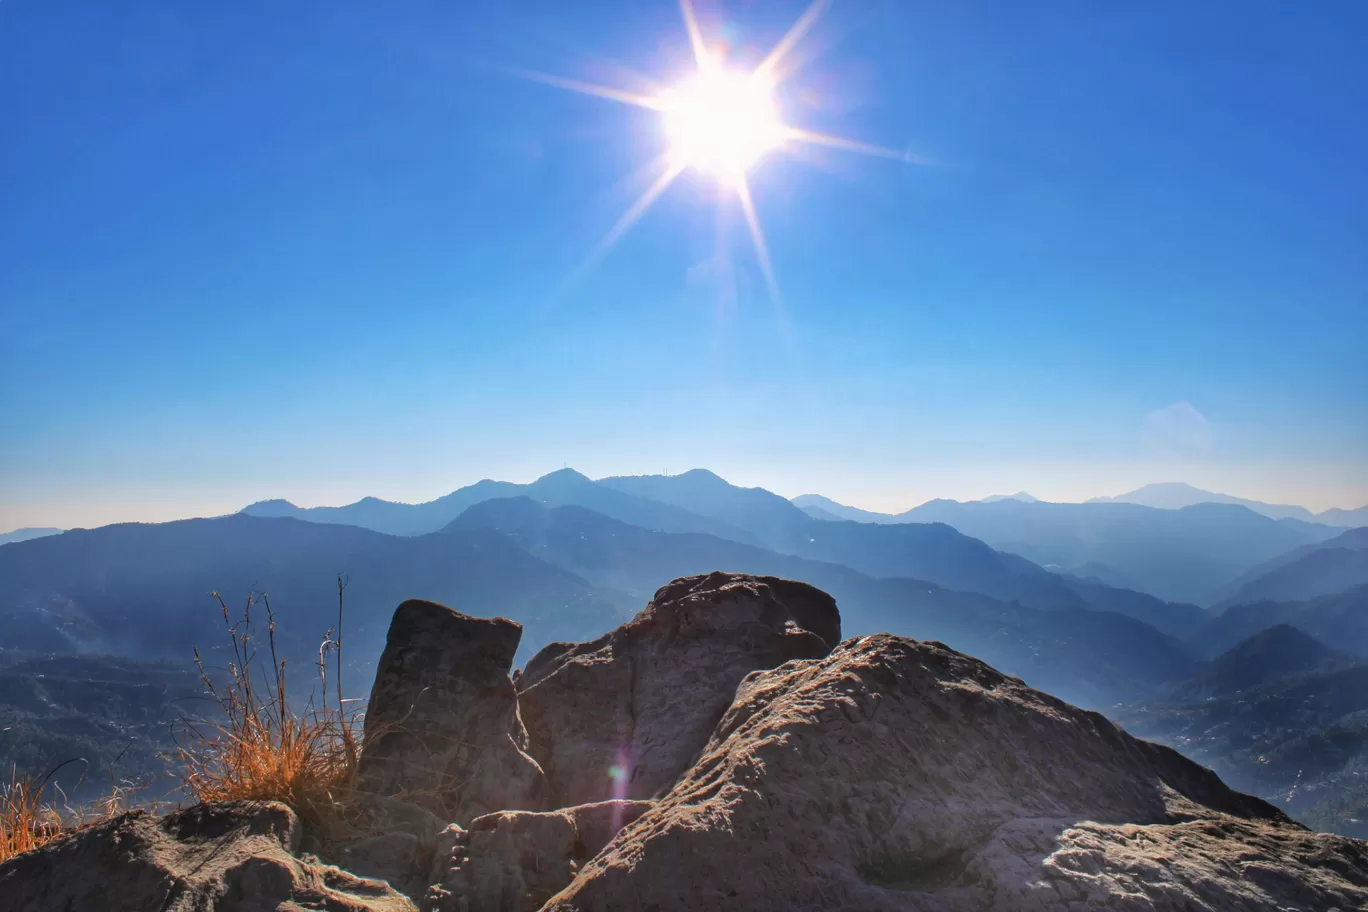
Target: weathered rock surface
[(515, 860), (442, 725), (381, 838), (208, 858), (624, 715), (901, 775)]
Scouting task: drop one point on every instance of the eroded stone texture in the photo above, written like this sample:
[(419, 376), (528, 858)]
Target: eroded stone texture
[(442, 725), (208, 858), (902, 775), (381, 838), (624, 715), (514, 861)]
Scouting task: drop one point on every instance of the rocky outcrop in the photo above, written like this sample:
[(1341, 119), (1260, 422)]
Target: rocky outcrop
[(882, 775), (623, 716), (442, 725), (902, 775), (380, 838), (515, 860), (209, 858)]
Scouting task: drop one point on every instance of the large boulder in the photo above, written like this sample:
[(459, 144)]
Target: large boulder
[(902, 775), (208, 858), (442, 725), (623, 716), (514, 861)]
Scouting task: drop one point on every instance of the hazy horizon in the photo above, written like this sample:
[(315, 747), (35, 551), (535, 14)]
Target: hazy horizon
[(1049, 487)]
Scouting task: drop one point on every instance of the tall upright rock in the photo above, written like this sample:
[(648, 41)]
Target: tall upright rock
[(442, 725), (624, 715), (903, 776)]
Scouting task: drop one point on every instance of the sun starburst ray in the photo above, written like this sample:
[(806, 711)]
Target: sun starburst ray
[(629, 218), (650, 102), (722, 122), (850, 145), (758, 238), (768, 67), (700, 50)]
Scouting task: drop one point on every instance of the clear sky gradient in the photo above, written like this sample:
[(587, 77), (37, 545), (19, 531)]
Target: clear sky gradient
[(320, 250)]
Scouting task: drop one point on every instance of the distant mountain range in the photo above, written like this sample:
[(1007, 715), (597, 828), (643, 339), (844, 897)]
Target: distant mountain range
[(570, 573), (700, 501), (1187, 555), (1019, 495), (565, 486), (819, 507), (1339, 618), (1163, 496), (144, 590), (26, 534), (1316, 569), (1175, 495), (1190, 555)]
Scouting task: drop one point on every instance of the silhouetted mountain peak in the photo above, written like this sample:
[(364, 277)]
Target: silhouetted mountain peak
[(564, 476), (824, 508), (510, 515), (28, 533), (276, 506), (704, 475), (1273, 654), (1174, 495), (1021, 496), (1279, 639)]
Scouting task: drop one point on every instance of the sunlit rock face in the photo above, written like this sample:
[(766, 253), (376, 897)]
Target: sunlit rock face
[(442, 726), (901, 775), (624, 715)]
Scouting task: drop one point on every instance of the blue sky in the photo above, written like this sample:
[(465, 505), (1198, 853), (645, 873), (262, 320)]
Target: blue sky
[(322, 250)]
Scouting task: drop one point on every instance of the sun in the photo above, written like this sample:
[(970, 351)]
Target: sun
[(722, 122)]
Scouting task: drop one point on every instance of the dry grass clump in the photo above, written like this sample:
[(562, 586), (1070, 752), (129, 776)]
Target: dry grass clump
[(261, 748), (26, 822)]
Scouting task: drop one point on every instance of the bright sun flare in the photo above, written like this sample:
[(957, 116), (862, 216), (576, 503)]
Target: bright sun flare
[(722, 122)]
